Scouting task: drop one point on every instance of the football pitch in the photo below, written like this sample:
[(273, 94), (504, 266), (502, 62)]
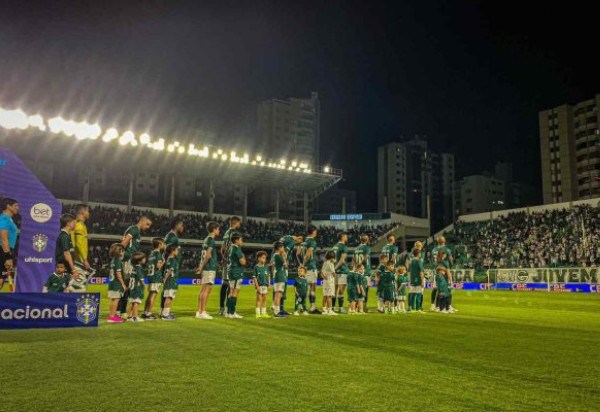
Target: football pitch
[(502, 351)]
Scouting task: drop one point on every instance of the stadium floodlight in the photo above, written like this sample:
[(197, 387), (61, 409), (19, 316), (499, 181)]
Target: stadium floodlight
[(294, 164), (282, 162), (171, 148), (258, 158), (160, 145), (253, 163), (126, 138), (204, 152), (110, 134), (37, 121), (181, 150), (134, 143), (326, 169), (145, 138), (223, 157), (219, 152), (215, 155), (13, 119), (262, 164), (56, 124)]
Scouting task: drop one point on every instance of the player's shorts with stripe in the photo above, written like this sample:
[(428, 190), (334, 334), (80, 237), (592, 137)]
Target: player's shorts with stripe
[(154, 287), (135, 300), (115, 294), (170, 293), (342, 279), (208, 277), (279, 287), (416, 289), (262, 290), (311, 276)]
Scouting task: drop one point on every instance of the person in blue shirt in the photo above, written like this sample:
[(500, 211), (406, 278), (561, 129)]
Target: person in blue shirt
[(8, 237)]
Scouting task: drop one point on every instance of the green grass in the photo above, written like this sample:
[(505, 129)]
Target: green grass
[(503, 351)]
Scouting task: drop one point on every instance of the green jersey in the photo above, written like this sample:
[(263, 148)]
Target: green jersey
[(134, 243), (235, 270), (352, 280), (261, 274), (401, 282), (289, 244), (136, 283), (341, 249), (301, 285), (364, 280), (172, 271), (173, 239), (279, 268), (386, 279), (446, 255), (64, 244), (57, 283), (362, 254), (442, 285), (391, 251), (414, 272), (310, 243), (209, 244), (155, 275), (116, 265)]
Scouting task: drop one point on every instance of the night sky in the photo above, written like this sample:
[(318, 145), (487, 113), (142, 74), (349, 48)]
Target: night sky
[(470, 75)]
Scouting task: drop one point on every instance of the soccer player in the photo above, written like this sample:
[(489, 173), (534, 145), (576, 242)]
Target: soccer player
[(417, 281), (136, 286), (443, 289), (235, 274), (156, 262), (8, 237), (131, 243), (362, 285), (280, 278), (291, 244), (301, 289), (390, 249), (234, 224), (328, 275), (64, 248), (207, 268), (383, 261), (362, 255), (79, 237), (386, 280), (171, 280), (401, 282), (442, 255), (341, 269), (261, 279), (116, 284), (58, 282), (309, 261)]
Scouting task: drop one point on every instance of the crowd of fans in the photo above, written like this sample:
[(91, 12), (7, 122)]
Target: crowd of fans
[(556, 238)]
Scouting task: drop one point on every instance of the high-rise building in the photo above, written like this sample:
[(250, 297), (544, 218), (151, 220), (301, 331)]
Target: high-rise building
[(407, 172), (481, 193), (290, 128), (570, 151)]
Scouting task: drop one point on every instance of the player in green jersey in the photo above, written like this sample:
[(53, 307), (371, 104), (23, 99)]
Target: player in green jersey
[(207, 268), (116, 282), (416, 276), (308, 253), (171, 280), (131, 242), (301, 289), (364, 283), (261, 280), (383, 261), (293, 250), (362, 255), (154, 268), (279, 263), (136, 286), (235, 273), (172, 238), (442, 280), (390, 249), (442, 255), (386, 280), (58, 281), (341, 269), (234, 225)]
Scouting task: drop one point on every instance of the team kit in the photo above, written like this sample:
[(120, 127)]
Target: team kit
[(399, 278)]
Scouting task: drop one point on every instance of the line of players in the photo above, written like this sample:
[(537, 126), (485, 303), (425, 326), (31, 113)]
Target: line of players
[(129, 266)]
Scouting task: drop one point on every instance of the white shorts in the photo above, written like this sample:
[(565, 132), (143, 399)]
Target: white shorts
[(127, 269), (208, 277), (342, 279), (169, 293), (135, 300), (154, 287), (235, 284), (262, 290), (416, 289), (328, 288), (401, 298), (279, 287), (311, 276), (115, 294)]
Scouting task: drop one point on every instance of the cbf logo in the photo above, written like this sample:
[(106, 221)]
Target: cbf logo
[(87, 309), (41, 212), (40, 242)]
